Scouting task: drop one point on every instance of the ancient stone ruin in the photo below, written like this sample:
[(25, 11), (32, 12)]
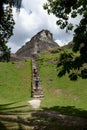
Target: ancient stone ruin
[(42, 41)]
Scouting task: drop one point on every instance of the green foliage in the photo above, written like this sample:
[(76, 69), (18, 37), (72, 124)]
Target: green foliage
[(6, 31), (73, 76), (6, 26), (72, 65), (63, 9), (84, 73), (80, 39), (65, 61), (5, 56)]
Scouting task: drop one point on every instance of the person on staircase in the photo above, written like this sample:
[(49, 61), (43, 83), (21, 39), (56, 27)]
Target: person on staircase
[(36, 82), (35, 71)]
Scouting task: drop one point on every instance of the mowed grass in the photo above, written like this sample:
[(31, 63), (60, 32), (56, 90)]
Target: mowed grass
[(61, 94), (15, 85)]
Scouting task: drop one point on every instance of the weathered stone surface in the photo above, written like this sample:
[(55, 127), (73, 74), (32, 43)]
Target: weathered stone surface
[(14, 58), (42, 41)]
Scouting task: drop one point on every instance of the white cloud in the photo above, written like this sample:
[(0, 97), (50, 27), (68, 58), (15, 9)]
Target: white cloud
[(32, 19)]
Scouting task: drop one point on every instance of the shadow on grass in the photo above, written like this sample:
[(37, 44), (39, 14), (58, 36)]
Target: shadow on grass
[(9, 117), (4, 107), (2, 126), (69, 110), (60, 118), (54, 118)]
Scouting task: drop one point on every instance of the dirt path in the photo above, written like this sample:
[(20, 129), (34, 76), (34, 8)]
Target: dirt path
[(35, 103)]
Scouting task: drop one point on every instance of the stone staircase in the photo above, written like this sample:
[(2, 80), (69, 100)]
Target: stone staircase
[(36, 92)]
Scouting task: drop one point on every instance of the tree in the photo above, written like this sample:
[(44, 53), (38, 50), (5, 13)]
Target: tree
[(6, 26), (64, 9), (6, 31)]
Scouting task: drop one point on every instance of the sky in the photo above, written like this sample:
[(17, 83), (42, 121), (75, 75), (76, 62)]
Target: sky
[(31, 20)]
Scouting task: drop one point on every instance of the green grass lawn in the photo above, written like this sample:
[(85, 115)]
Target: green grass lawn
[(62, 94), (15, 85)]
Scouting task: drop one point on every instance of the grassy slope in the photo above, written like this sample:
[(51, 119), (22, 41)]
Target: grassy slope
[(15, 85), (61, 93)]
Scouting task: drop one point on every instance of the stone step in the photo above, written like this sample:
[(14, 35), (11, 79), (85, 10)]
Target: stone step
[(36, 93), (38, 96), (39, 88)]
